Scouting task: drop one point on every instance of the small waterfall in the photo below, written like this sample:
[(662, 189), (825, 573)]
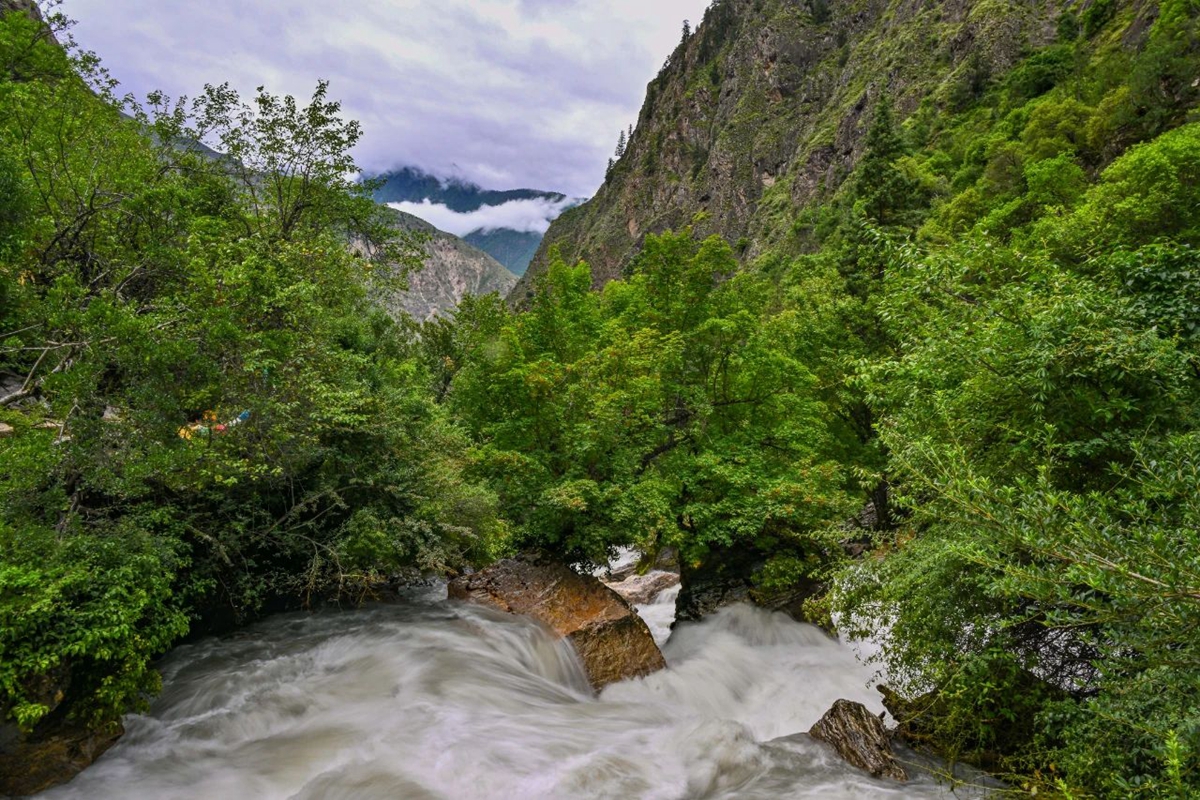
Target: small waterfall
[(659, 613), (441, 700)]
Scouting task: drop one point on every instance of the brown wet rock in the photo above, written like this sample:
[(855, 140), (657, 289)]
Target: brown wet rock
[(638, 589), (29, 765), (612, 640), (860, 738)]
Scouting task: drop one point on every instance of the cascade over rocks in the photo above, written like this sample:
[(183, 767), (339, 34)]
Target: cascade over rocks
[(613, 642), (860, 738)]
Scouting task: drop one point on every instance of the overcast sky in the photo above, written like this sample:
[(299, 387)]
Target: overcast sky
[(507, 93)]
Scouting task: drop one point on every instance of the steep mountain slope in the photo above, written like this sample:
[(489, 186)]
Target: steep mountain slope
[(514, 249), (472, 208), (453, 269), (21, 7), (763, 111)]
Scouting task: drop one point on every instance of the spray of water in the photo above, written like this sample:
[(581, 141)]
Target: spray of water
[(439, 700)]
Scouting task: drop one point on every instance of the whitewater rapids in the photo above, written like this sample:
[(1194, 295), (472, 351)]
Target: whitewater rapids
[(435, 699)]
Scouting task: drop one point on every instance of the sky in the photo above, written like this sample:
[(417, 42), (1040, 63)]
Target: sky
[(505, 93)]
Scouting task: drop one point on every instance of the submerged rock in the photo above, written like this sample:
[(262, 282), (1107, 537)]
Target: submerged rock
[(860, 738), (612, 640)]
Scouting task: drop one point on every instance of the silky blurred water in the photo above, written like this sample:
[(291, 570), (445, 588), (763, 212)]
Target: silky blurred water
[(442, 700)]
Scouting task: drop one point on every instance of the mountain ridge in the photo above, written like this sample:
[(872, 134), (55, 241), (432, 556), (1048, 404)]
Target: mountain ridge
[(762, 112), (413, 184)]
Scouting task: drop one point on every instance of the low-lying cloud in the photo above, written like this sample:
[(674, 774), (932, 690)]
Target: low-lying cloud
[(527, 216)]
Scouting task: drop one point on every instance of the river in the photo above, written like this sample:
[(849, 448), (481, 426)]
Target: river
[(433, 699)]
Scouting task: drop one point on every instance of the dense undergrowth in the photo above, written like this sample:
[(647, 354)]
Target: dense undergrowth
[(997, 314)]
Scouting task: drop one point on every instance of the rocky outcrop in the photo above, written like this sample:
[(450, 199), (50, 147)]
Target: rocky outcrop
[(714, 583), (638, 589), (27, 7), (452, 270), (57, 749), (613, 642), (726, 577), (33, 763), (860, 738), (762, 112)]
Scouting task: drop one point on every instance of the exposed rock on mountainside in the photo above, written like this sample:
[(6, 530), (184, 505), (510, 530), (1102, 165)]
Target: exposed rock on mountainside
[(762, 112), (22, 6), (453, 269), (612, 640)]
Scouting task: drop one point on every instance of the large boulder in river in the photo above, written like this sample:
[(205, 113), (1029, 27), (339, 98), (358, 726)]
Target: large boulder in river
[(860, 738), (612, 640)]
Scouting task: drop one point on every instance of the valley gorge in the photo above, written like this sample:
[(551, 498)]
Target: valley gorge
[(844, 444)]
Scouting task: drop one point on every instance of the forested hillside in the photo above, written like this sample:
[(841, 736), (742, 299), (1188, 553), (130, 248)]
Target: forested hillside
[(954, 256), (935, 257)]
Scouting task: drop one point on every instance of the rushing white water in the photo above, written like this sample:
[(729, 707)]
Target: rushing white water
[(659, 613), (441, 700)]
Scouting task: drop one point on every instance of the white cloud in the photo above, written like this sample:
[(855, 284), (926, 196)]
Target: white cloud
[(517, 93), (528, 216)]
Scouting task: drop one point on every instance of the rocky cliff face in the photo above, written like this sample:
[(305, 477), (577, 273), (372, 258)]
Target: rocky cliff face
[(763, 111), (453, 269), (20, 6)]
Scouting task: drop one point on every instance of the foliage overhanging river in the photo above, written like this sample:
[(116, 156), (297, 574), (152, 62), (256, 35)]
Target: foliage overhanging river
[(433, 699)]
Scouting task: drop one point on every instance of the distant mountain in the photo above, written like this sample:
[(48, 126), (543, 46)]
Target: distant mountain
[(453, 269), (508, 224), (411, 185)]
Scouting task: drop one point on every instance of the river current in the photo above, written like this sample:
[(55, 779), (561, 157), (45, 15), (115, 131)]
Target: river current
[(433, 699)]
